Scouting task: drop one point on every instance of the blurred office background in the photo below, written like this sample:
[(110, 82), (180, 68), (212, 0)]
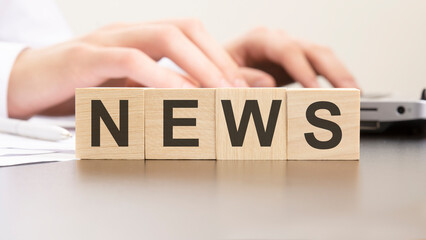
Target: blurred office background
[(383, 42)]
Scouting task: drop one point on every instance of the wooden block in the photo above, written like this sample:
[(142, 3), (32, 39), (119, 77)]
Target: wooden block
[(323, 124), (237, 135), (180, 124), (110, 123)]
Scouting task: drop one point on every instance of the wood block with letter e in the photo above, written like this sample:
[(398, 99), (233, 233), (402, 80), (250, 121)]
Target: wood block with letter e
[(251, 124), (323, 124), (180, 124), (109, 123)]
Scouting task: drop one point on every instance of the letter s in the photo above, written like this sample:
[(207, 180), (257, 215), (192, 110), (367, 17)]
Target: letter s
[(325, 124)]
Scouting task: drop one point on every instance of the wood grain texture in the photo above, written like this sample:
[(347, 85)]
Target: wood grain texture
[(204, 130), (347, 100), (251, 148), (108, 148)]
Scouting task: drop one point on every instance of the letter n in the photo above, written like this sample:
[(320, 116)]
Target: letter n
[(120, 135)]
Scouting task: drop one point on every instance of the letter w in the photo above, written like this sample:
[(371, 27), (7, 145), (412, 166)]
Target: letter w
[(251, 107)]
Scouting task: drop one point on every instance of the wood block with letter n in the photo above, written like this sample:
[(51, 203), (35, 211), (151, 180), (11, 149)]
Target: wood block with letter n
[(109, 123), (323, 124), (251, 124), (180, 124)]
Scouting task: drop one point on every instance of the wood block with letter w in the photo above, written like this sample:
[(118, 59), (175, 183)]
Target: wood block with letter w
[(251, 124)]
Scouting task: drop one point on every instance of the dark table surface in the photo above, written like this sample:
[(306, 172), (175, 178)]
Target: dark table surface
[(381, 196)]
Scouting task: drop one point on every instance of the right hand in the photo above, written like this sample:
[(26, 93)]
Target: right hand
[(44, 80)]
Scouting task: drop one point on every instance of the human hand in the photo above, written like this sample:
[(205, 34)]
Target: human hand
[(286, 60), (44, 80)]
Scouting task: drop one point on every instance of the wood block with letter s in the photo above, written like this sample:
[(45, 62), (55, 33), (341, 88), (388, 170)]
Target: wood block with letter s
[(251, 124), (323, 124), (109, 123), (180, 124)]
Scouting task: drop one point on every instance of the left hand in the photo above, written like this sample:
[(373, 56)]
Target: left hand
[(270, 58)]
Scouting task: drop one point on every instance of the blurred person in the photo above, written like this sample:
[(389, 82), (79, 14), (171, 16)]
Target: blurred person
[(41, 64)]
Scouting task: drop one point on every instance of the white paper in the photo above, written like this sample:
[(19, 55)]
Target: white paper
[(12, 152), (8, 141), (16, 150), (39, 158)]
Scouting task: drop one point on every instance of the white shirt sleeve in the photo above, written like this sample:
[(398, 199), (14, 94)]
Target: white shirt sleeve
[(26, 23), (8, 54)]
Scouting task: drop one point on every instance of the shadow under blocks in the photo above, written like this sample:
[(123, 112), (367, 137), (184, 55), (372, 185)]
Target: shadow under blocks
[(221, 124)]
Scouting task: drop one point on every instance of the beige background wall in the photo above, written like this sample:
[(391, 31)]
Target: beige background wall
[(382, 42)]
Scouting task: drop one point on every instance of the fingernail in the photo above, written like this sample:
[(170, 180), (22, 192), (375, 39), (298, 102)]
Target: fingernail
[(188, 85), (240, 83), (224, 83), (315, 84)]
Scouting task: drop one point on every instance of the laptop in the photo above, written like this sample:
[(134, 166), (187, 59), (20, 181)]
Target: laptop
[(380, 113)]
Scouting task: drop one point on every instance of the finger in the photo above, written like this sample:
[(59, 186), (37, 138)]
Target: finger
[(133, 83), (265, 45), (291, 57), (115, 62), (257, 78), (158, 41), (196, 32), (328, 65), (62, 109)]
